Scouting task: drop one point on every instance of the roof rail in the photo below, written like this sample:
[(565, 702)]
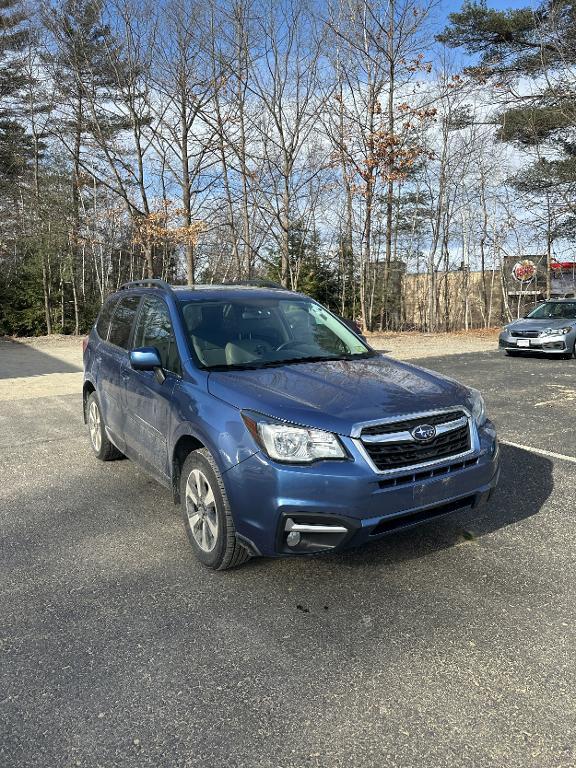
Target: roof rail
[(146, 283), (258, 283)]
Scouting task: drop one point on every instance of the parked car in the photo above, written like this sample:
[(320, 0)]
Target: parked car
[(549, 329), (278, 429)]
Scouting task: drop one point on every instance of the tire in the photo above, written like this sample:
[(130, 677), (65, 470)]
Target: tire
[(206, 514), (569, 355), (101, 445)]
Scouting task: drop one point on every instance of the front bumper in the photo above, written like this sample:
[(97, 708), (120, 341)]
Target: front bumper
[(270, 500), (553, 345)]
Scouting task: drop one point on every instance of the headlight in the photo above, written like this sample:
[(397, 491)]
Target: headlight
[(556, 331), (478, 407), (289, 443)]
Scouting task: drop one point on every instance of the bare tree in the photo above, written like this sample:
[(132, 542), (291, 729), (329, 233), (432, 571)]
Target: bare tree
[(286, 82), (381, 50)]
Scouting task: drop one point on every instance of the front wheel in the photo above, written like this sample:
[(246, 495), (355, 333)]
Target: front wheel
[(207, 516), (103, 448)]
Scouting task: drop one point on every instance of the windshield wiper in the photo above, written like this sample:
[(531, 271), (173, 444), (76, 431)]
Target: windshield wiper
[(293, 360), (257, 365)]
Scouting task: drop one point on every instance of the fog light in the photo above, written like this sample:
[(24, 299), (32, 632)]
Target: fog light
[(293, 539)]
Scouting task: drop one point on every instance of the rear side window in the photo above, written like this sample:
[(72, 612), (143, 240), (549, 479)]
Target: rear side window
[(103, 322), (121, 324)]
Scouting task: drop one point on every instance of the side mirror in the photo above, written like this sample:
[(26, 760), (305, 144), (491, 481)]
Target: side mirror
[(147, 359)]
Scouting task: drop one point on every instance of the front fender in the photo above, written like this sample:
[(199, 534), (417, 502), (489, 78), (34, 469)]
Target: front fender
[(215, 424)]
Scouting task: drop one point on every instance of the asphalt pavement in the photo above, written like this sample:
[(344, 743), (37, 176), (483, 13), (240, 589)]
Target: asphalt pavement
[(450, 645)]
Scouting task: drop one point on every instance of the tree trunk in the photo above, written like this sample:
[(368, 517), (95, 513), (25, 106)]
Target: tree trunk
[(75, 302), (62, 316), (285, 235), (241, 79), (366, 258), (548, 248), (46, 297), (190, 265), (483, 239), (149, 261), (186, 190), (390, 182)]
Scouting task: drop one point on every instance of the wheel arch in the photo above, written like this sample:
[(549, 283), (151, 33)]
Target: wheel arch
[(87, 390), (182, 448)]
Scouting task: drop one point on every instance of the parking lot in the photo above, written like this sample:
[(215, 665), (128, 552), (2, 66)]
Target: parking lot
[(449, 645)]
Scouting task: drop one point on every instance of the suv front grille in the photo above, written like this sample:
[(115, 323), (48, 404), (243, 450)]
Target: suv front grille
[(526, 334), (392, 454), (407, 424)]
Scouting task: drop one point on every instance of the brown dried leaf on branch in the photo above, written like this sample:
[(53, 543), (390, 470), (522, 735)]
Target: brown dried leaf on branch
[(164, 226)]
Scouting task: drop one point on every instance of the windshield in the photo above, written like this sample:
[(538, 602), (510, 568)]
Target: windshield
[(559, 309), (257, 333)]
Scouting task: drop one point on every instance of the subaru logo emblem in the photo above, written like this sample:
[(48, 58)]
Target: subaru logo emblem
[(423, 433)]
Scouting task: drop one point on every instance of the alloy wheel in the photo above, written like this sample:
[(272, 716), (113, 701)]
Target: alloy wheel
[(94, 426), (201, 510)]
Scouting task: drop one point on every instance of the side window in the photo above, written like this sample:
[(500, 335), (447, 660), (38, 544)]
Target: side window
[(103, 322), (154, 329), (122, 320)]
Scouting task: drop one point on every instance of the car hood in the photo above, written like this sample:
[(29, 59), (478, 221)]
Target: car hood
[(526, 324), (336, 395)]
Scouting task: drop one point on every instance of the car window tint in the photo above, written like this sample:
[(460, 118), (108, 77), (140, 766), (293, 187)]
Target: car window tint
[(122, 320), (154, 329), (103, 322)]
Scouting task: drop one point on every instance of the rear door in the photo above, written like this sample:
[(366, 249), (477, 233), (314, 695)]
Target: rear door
[(113, 357), (148, 401), (98, 337)]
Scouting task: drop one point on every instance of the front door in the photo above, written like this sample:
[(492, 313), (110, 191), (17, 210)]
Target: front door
[(148, 400)]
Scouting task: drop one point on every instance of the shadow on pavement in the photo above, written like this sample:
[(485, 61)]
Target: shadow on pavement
[(20, 360), (525, 484)]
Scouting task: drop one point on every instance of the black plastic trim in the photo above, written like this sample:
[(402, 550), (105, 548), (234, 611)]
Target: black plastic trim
[(351, 524)]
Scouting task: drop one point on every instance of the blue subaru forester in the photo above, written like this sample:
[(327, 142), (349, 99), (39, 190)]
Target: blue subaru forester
[(278, 429)]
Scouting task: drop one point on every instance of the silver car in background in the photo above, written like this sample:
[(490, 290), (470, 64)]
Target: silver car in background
[(549, 329)]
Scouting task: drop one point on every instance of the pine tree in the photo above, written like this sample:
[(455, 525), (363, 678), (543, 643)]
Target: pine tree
[(308, 269), (79, 57), (538, 46), (15, 143)]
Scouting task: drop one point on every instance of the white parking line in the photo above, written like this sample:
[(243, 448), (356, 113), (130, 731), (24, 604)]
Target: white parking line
[(541, 451)]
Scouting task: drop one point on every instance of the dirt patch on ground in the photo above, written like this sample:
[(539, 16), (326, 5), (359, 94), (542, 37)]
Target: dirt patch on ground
[(48, 366), (53, 341), (411, 344)]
